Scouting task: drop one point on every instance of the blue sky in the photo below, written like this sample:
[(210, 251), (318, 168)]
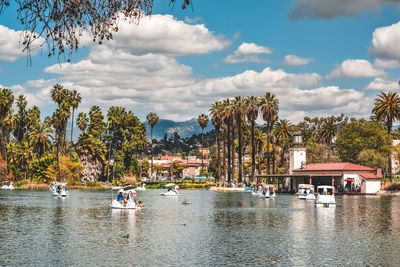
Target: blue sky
[(177, 62)]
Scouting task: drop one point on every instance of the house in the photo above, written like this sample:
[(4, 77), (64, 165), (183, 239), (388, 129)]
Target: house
[(344, 176)]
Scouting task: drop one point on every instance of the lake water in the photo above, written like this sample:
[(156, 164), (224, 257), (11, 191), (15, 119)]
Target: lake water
[(234, 229)]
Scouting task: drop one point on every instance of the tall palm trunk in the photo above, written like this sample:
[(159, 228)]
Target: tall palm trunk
[(72, 124), (109, 157), (202, 151), (253, 151), (240, 154), (224, 153), (268, 153), (218, 155), (229, 155), (151, 148), (233, 152)]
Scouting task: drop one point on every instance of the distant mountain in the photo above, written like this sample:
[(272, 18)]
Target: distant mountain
[(183, 128)]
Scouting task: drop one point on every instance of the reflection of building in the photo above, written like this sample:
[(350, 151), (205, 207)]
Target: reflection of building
[(343, 175), (191, 165)]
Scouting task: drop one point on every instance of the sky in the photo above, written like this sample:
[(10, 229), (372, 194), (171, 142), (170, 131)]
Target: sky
[(320, 58)]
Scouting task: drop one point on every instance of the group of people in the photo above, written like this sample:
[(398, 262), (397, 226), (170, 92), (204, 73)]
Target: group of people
[(124, 199)]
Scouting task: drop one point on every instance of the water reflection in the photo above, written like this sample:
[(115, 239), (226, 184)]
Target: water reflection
[(217, 229)]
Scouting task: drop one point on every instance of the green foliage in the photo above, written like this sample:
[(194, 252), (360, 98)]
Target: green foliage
[(362, 135), (40, 168), (371, 158)]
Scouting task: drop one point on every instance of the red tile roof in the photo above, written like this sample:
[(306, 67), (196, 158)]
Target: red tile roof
[(368, 175), (334, 166)]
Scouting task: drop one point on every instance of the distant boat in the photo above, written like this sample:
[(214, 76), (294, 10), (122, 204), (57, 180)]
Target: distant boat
[(265, 191), (325, 196), (58, 189), (7, 185), (306, 191), (141, 188), (172, 190)]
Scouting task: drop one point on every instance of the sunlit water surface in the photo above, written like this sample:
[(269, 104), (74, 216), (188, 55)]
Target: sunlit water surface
[(235, 229)]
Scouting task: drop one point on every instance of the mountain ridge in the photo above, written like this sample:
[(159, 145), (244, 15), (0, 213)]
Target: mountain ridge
[(183, 128)]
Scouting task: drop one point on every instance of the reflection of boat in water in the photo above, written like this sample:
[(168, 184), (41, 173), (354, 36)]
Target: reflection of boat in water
[(141, 188), (265, 191), (306, 191), (325, 196), (233, 188), (7, 185), (59, 189), (172, 190), (126, 198)]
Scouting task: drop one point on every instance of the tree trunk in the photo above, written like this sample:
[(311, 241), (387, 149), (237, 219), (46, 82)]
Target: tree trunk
[(240, 154), (268, 154), (229, 155), (218, 155), (151, 165), (72, 125), (233, 153), (253, 152), (108, 160), (224, 153), (202, 151)]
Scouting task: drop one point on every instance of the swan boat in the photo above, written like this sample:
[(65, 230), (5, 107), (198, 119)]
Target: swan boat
[(58, 189), (325, 196), (306, 191), (141, 188), (7, 185), (265, 191), (172, 190), (126, 198)]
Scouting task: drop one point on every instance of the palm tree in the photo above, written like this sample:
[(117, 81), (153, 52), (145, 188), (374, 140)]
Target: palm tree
[(203, 121), (58, 93), (6, 118), (227, 118), (240, 118), (283, 132), (115, 116), (152, 120), (32, 117), (216, 119), (75, 100), (327, 131), (252, 108), (39, 138), (387, 109), (269, 110), (21, 118), (82, 121)]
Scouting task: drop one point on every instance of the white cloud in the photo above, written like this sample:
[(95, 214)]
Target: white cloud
[(144, 80), (383, 85), (386, 63), (293, 60), (385, 42), (163, 34), (248, 52), (355, 68), (195, 20), (328, 9), (9, 44)]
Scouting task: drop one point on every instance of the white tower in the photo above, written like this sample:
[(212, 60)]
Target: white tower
[(297, 154)]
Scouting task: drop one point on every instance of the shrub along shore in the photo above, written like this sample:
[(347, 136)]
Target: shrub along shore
[(32, 185)]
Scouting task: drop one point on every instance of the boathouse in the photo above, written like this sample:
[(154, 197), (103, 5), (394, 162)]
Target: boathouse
[(344, 176)]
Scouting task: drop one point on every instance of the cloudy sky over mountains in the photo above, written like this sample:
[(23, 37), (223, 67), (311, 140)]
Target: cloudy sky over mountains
[(319, 57)]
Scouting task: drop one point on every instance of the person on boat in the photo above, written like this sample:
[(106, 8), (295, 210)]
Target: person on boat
[(120, 197)]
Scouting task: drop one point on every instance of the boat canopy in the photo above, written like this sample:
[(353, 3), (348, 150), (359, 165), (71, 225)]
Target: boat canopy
[(325, 186), (305, 186)]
